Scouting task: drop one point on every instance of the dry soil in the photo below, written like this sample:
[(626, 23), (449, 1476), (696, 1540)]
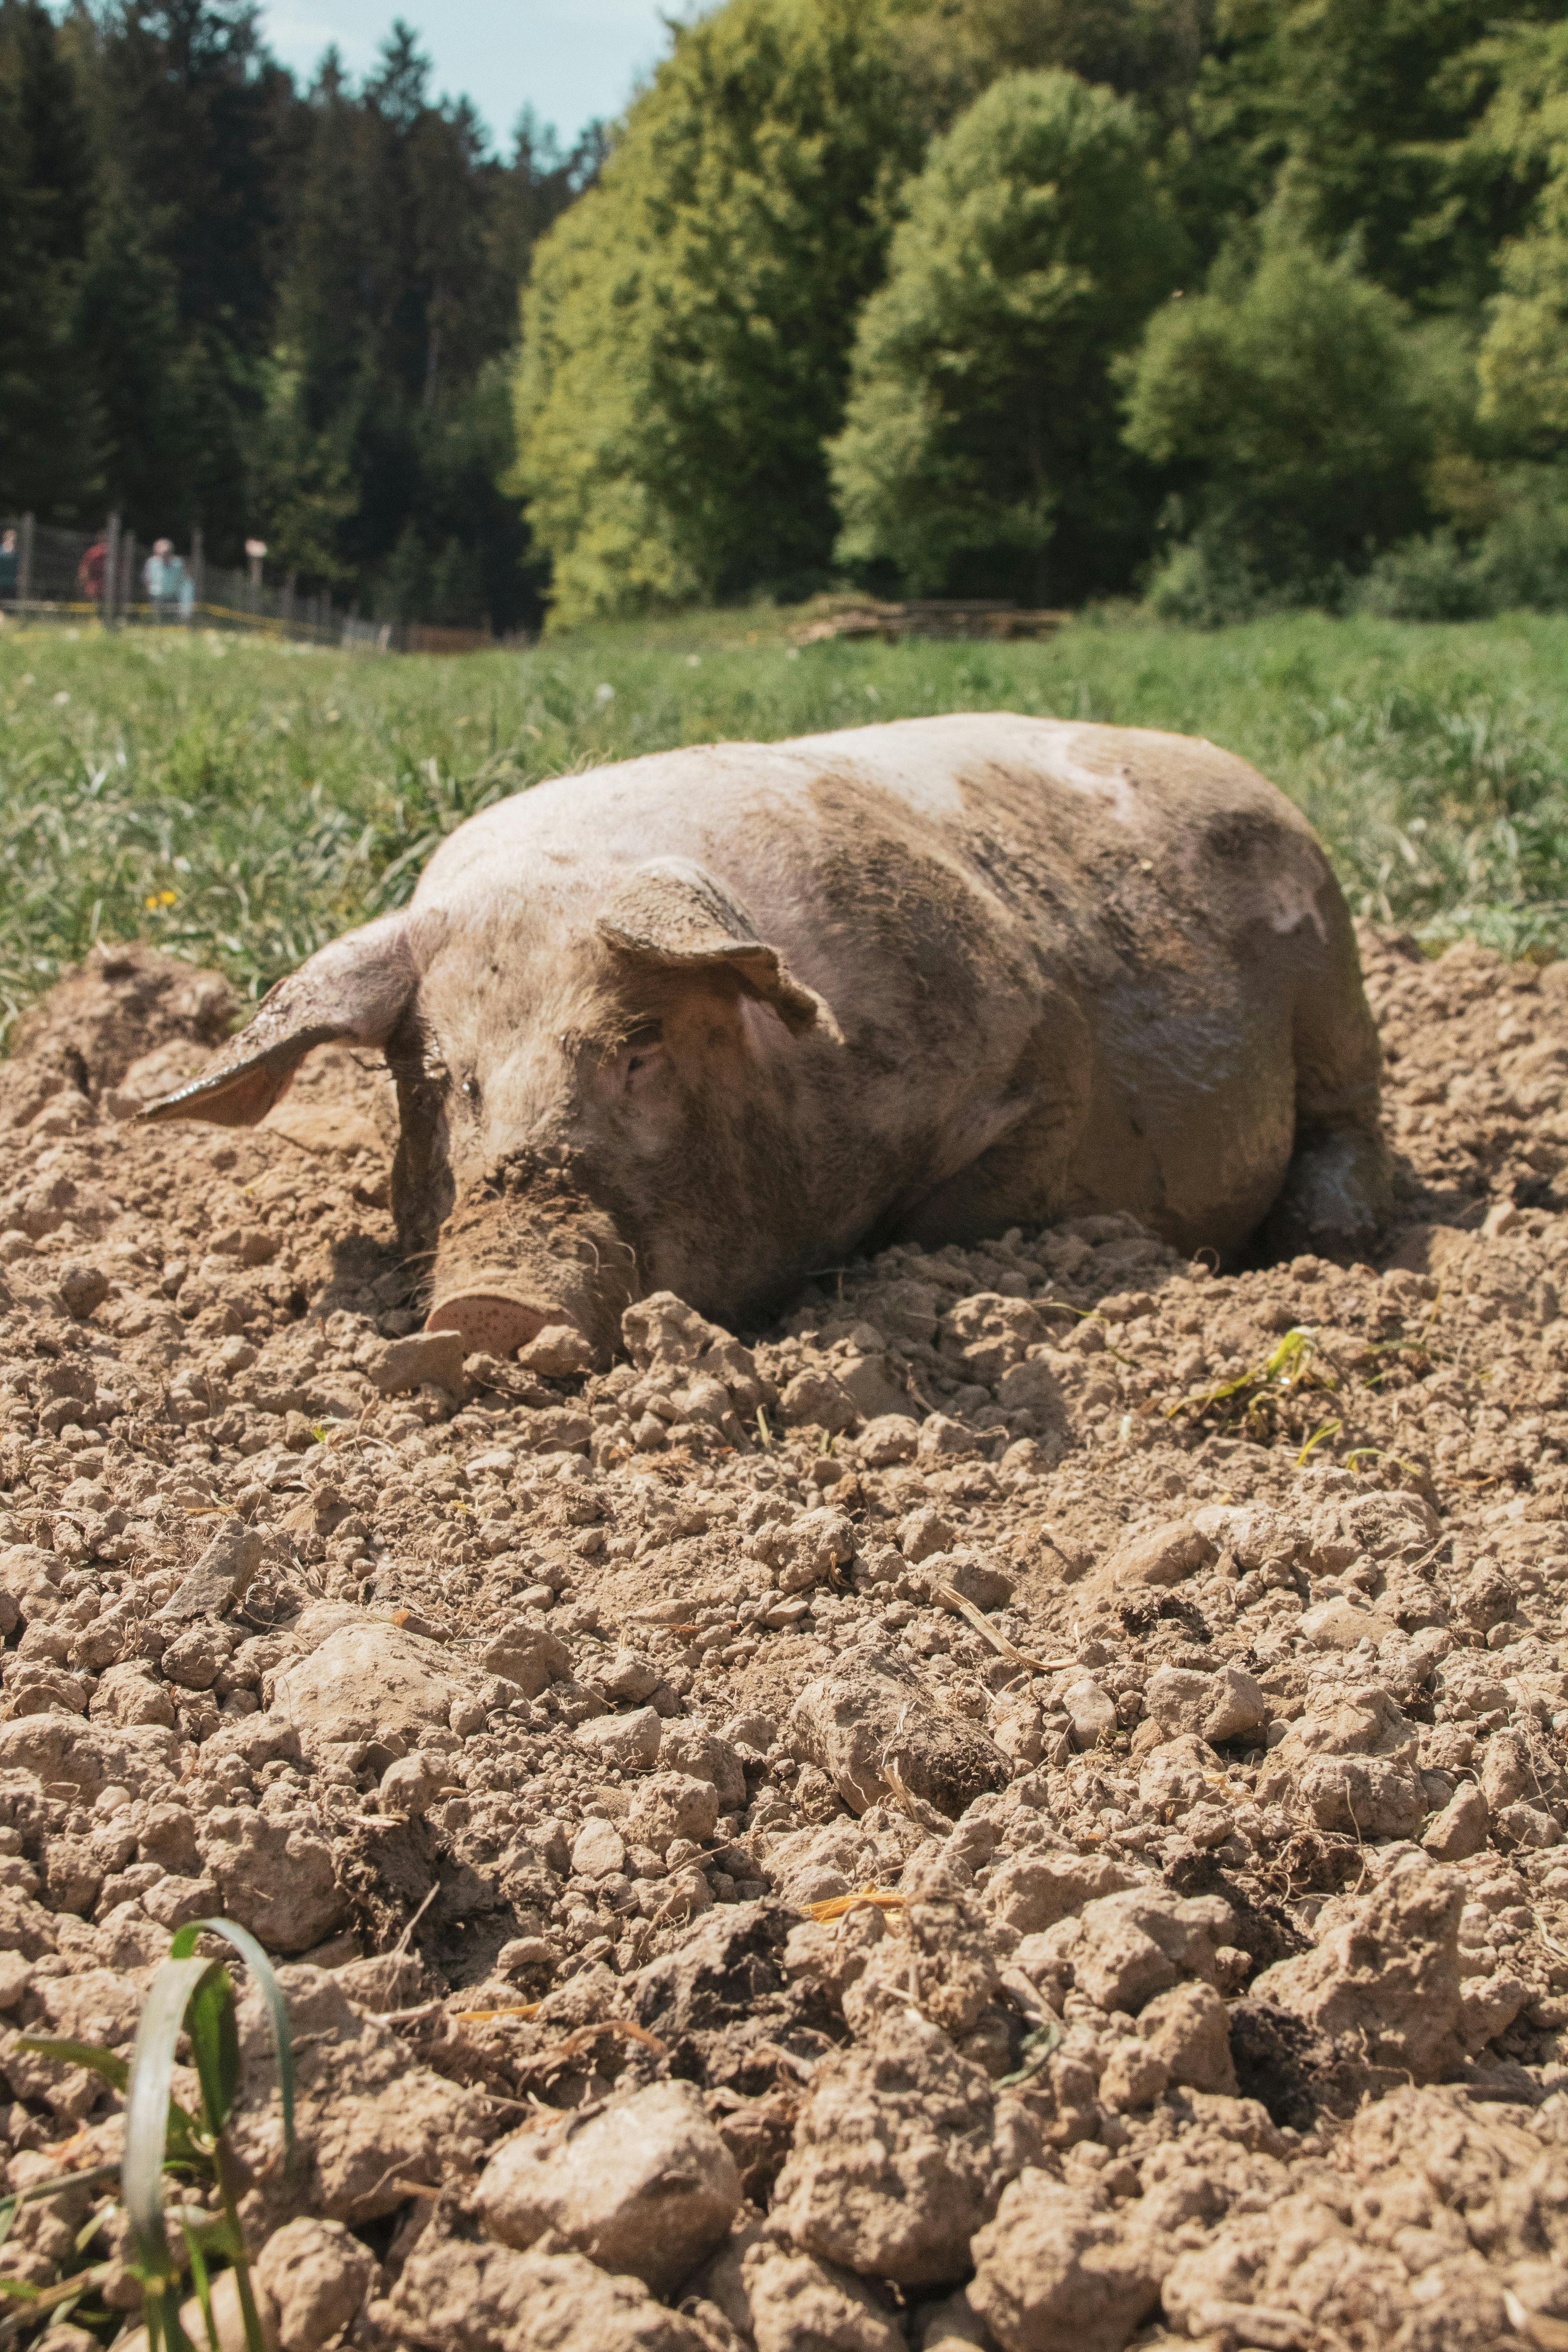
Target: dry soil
[(1173, 1665)]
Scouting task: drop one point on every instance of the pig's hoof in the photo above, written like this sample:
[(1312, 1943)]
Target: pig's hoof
[(1336, 1198), (491, 1324)]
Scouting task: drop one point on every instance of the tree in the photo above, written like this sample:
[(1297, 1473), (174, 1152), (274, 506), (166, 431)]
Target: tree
[(1291, 398), (46, 410), (128, 340), (1150, 49), (981, 447), (1368, 105), (686, 330), (1524, 383), (196, 112)]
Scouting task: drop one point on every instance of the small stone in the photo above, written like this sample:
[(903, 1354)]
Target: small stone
[(1057, 2268), (874, 1387), (943, 1440), (598, 1851), (559, 1352), (317, 2275), (1133, 2076), (625, 1674), (923, 1534), (195, 1657), (890, 1437), (523, 1956), (410, 1786), (527, 1654), (630, 1742), (1188, 2032), (670, 1805), (435, 1357), (973, 1579), (219, 1577), (83, 1288), (817, 1399), (1090, 1711), (647, 2186), (1164, 1557), (1462, 1829)]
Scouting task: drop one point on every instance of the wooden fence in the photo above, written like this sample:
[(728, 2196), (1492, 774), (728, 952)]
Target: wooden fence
[(48, 574)]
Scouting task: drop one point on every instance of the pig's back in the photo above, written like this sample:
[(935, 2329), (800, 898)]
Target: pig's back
[(1036, 815)]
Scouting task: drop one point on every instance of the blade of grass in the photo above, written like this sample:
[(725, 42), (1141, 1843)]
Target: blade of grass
[(202, 2283), (114, 2070), (147, 2105), (216, 2043), (215, 2046), (262, 1971)]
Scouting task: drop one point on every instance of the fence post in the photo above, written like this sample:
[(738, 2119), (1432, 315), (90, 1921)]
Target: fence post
[(25, 563), (199, 569), (111, 571)]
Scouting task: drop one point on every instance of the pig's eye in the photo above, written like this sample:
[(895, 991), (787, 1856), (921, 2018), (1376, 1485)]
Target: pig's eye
[(642, 1045), (470, 1090)]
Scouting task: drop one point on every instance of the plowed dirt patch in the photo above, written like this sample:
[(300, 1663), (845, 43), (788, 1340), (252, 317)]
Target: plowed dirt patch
[(1029, 1795)]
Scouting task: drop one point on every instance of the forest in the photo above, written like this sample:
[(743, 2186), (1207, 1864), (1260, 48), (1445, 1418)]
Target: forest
[(268, 312), (1231, 305)]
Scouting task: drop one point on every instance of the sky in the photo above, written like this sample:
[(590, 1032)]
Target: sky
[(569, 59)]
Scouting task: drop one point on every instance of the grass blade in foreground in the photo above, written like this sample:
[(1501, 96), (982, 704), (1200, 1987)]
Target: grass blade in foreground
[(196, 1996), (261, 1968)]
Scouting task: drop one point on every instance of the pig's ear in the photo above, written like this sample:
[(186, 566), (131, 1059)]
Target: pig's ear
[(356, 987), (674, 914)]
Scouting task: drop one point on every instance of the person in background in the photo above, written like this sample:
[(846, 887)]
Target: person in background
[(10, 567), (90, 571), (171, 591)]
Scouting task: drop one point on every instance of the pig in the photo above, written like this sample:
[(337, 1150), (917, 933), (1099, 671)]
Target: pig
[(708, 1021)]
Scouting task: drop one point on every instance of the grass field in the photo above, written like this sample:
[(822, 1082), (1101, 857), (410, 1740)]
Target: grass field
[(239, 803)]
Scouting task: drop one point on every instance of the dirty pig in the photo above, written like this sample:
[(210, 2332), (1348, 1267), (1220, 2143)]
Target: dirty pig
[(709, 1020)]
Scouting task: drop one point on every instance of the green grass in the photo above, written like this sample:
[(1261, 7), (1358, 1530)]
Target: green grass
[(239, 803)]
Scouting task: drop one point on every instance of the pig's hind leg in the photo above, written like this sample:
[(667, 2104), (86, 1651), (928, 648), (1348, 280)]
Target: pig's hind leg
[(1337, 1192)]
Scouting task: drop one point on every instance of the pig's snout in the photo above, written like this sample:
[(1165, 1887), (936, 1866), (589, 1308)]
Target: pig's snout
[(491, 1322)]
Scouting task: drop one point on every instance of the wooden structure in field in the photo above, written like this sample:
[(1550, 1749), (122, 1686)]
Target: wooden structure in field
[(926, 616)]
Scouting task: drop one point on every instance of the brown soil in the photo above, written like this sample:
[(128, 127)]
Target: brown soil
[(1181, 1657)]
